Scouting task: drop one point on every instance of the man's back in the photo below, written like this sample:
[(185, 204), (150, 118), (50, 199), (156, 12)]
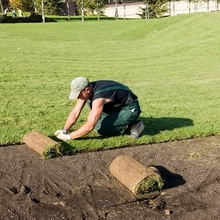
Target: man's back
[(119, 94)]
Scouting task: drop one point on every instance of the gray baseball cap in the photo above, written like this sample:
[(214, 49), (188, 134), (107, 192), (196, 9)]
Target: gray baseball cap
[(77, 85)]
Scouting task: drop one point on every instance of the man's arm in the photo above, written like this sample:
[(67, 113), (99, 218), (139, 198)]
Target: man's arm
[(93, 117), (74, 114)]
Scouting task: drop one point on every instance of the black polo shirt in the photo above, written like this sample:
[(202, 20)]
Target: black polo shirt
[(119, 94)]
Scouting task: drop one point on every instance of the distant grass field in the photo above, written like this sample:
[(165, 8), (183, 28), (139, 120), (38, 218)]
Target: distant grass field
[(172, 64)]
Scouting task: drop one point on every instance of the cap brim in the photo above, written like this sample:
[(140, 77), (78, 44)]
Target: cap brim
[(74, 95)]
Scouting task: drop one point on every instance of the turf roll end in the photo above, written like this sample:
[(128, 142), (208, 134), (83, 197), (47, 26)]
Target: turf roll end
[(42, 144), (138, 178)]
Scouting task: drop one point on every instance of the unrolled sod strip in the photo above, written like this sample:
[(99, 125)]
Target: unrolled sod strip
[(42, 144), (135, 176)]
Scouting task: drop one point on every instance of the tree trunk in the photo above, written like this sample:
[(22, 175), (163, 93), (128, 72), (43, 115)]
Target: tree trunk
[(68, 10), (124, 11), (170, 8), (146, 16), (174, 7), (35, 6), (82, 9), (98, 10), (1, 6), (116, 9), (42, 8), (189, 6)]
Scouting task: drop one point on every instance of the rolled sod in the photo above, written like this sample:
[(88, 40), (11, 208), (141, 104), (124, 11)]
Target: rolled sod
[(138, 178), (42, 144)]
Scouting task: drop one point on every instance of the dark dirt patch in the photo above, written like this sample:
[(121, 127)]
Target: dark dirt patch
[(81, 186)]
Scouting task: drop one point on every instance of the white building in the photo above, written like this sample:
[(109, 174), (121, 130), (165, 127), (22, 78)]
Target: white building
[(131, 10)]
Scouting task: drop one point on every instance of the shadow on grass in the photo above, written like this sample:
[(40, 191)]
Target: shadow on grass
[(171, 180), (62, 18), (153, 126), (156, 125)]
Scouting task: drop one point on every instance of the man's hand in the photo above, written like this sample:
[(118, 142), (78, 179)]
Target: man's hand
[(64, 137), (60, 132)]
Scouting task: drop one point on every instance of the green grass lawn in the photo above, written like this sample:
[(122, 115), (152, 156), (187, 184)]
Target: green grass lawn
[(172, 64)]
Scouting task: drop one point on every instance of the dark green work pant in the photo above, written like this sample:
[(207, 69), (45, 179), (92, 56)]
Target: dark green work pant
[(116, 123)]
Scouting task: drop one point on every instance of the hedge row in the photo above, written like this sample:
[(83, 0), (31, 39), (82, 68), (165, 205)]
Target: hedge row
[(30, 19)]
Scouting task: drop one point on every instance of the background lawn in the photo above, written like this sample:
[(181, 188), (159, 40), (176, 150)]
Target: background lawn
[(172, 64)]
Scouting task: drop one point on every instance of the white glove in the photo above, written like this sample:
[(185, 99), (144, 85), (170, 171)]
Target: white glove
[(60, 132), (64, 137)]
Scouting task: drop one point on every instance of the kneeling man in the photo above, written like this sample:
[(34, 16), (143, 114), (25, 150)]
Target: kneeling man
[(114, 109)]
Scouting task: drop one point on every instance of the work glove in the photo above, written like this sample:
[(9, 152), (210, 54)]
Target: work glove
[(64, 137), (60, 132)]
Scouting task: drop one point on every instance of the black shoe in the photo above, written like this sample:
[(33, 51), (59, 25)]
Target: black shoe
[(137, 129)]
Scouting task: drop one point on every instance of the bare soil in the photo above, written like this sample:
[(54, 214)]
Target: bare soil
[(81, 186)]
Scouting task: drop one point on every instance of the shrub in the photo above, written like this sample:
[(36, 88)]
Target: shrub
[(30, 19)]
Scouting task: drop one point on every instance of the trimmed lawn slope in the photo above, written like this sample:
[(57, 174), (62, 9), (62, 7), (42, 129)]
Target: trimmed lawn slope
[(172, 64)]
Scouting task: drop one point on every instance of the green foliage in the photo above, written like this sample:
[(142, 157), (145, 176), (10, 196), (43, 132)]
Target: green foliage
[(51, 7), (25, 5), (91, 6), (154, 9), (172, 64)]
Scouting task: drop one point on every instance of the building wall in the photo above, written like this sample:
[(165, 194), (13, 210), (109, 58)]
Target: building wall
[(72, 9), (131, 10)]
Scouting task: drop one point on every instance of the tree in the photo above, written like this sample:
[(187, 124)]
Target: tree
[(91, 6), (1, 6), (154, 8), (4, 3), (42, 11), (67, 2), (51, 7), (35, 6), (25, 5)]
